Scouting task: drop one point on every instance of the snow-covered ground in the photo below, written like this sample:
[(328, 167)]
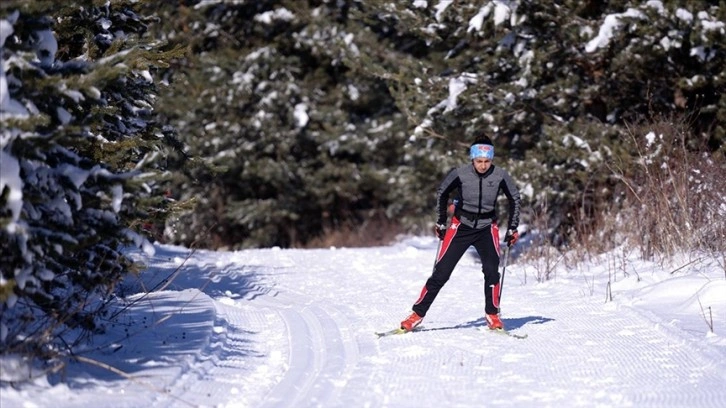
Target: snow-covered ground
[(295, 328)]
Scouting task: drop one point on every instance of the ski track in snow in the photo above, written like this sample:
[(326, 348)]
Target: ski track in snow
[(588, 352), (278, 328)]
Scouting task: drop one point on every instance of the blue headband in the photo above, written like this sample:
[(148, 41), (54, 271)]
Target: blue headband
[(482, 150)]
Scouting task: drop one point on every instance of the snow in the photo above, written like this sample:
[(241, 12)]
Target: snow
[(501, 10), (607, 30), (613, 22), (46, 47), (270, 17), (301, 115), (9, 107), (295, 328), (420, 3), (477, 21), (10, 178), (6, 29), (702, 54), (709, 25), (456, 87), (353, 92), (684, 15), (441, 8), (650, 138)]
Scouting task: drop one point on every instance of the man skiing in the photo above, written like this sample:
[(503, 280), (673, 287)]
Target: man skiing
[(474, 223)]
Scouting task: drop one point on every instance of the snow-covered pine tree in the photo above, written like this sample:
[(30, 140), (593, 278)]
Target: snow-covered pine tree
[(80, 168), (391, 92), (295, 142), (555, 83)]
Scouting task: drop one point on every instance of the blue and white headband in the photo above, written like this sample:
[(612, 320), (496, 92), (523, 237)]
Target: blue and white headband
[(482, 150)]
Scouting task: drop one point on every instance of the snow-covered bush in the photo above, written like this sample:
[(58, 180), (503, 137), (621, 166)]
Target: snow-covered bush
[(79, 147)]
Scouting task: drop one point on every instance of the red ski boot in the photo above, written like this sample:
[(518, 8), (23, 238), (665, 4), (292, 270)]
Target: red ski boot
[(411, 322), (494, 322)]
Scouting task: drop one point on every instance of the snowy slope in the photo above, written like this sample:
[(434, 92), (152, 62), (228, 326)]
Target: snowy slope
[(295, 328)]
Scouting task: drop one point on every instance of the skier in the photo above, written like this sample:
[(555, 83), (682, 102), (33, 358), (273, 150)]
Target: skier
[(477, 186)]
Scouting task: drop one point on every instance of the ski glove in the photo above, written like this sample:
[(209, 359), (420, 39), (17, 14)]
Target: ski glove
[(511, 237), (440, 230)]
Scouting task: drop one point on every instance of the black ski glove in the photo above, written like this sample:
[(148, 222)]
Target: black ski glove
[(440, 231), (511, 237)]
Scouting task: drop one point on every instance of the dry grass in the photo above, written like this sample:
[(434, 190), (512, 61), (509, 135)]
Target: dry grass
[(375, 231), (669, 196), (676, 192)]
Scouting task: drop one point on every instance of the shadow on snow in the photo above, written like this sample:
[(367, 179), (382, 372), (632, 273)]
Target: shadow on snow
[(164, 331), (509, 323)]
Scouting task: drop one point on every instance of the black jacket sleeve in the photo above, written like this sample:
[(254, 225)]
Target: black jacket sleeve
[(450, 183), (515, 202)]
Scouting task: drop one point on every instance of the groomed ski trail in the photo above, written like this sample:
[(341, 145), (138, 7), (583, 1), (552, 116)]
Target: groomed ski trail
[(296, 328), (580, 350)]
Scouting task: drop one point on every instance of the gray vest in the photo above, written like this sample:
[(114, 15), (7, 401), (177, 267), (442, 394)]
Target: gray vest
[(478, 195)]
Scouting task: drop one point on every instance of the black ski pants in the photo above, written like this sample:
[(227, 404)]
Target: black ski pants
[(457, 240)]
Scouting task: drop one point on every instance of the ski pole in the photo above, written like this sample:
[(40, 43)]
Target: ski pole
[(501, 283), (436, 258)]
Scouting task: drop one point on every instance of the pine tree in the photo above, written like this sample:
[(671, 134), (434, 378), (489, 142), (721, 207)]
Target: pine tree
[(80, 168), (294, 142), (312, 115), (537, 76)]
